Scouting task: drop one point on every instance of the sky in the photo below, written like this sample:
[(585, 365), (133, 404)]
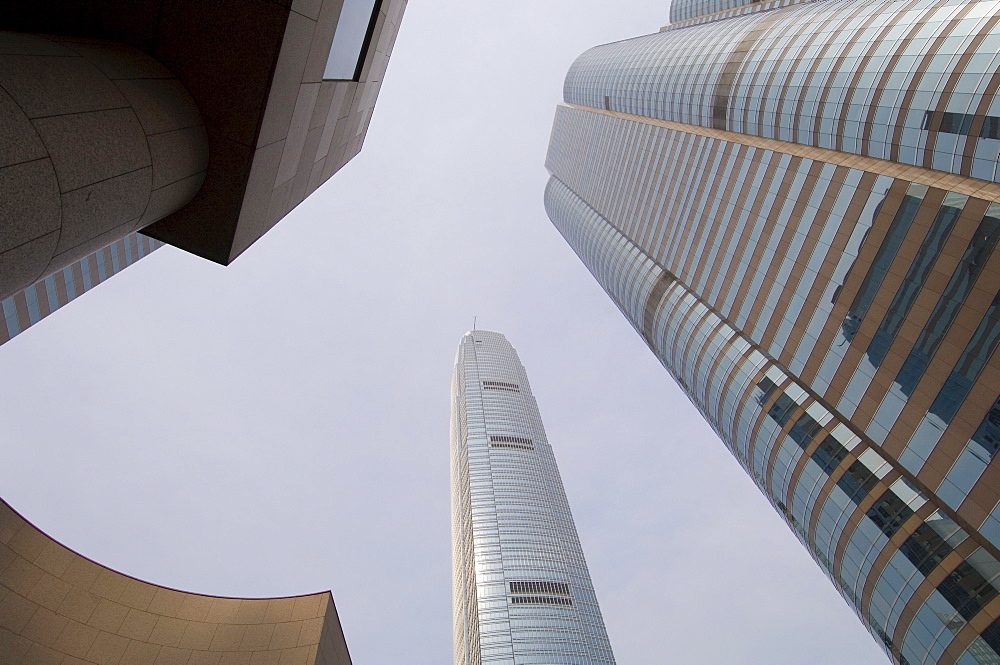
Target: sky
[(280, 426)]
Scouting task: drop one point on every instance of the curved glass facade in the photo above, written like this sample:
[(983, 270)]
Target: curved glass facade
[(836, 323), (912, 82), (893, 550), (522, 592), (685, 9)]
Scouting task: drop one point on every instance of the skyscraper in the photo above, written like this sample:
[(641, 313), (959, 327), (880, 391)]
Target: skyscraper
[(522, 592), (795, 204)]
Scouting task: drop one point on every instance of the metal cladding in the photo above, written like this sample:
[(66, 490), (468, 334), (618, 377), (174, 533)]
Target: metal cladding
[(59, 607), (797, 209), (521, 589)]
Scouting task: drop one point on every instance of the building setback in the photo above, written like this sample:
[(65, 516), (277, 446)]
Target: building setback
[(521, 589), (796, 205)]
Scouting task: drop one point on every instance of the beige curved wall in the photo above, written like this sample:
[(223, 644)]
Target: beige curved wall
[(60, 608)]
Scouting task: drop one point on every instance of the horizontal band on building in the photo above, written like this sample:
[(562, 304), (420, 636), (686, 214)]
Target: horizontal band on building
[(924, 176)]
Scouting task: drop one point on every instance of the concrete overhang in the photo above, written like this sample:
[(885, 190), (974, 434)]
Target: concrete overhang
[(276, 129)]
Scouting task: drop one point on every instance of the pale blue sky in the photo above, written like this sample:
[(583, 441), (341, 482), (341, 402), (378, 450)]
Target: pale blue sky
[(281, 426)]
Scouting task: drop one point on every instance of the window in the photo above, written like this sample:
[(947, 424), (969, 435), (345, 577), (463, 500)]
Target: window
[(350, 41)]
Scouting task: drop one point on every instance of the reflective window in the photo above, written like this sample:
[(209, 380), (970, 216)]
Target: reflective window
[(354, 27)]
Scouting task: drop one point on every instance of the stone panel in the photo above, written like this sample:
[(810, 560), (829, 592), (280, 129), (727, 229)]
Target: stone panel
[(20, 43), (24, 214), (46, 85), (22, 266), (18, 140), (177, 155), (161, 105), (287, 78), (78, 156), (116, 61), (89, 147), (91, 211), (166, 199)]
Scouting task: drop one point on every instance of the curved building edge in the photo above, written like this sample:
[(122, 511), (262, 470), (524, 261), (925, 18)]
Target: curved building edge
[(910, 82), (58, 606)]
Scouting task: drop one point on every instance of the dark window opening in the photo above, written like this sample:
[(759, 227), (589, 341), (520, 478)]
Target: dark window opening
[(966, 590), (889, 513), (857, 481), (987, 436), (925, 548), (781, 411), (804, 430), (507, 441), (543, 600), (961, 123), (829, 454), (501, 385), (767, 387), (991, 635), (555, 588)]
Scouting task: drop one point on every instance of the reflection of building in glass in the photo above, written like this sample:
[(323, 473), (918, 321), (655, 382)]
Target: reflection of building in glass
[(522, 592), (796, 205)]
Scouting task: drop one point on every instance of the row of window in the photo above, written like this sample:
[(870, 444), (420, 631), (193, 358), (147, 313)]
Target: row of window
[(786, 407), (684, 245), (501, 385), (540, 600), (557, 588), (856, 77)]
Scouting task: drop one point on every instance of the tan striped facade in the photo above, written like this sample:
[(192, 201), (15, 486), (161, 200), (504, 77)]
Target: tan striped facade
[(59, 608), (834, 314), (28, 307)]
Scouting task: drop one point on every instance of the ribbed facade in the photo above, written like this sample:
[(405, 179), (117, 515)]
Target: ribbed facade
[(817, 270), (522, 592), (912, 81), (29, 306)]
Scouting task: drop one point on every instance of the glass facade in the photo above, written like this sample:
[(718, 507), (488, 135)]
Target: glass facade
[(28, 307), (827, 297), (909, 82), (522, 592)]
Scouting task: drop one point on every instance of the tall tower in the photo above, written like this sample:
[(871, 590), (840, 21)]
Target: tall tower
[(522, 593), (796, 205)]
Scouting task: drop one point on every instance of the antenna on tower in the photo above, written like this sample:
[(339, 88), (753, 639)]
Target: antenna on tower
[(474, 322)]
